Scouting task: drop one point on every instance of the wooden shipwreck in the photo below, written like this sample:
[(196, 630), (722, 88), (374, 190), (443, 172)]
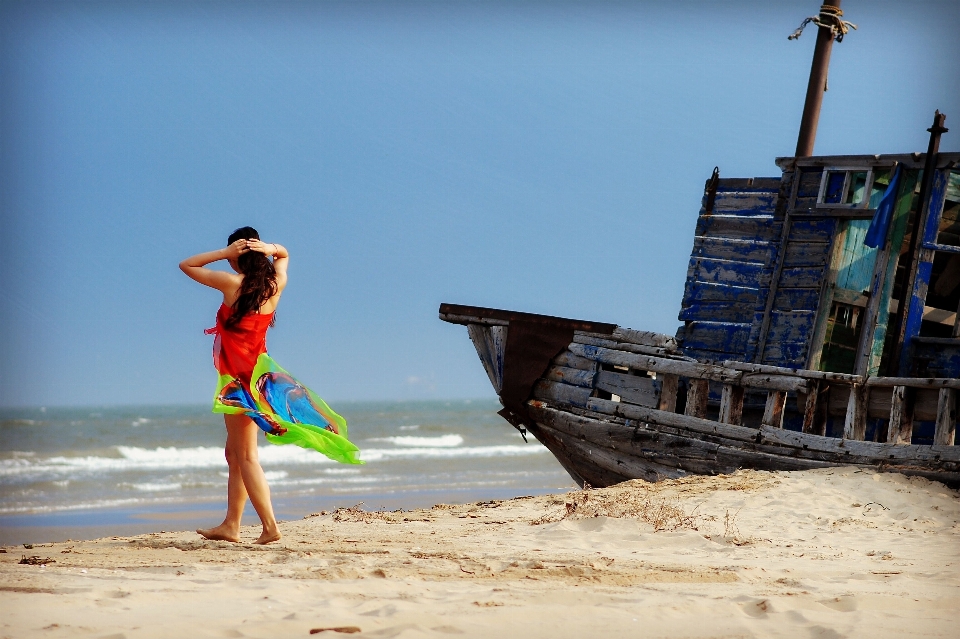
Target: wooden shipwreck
[(801, 347)]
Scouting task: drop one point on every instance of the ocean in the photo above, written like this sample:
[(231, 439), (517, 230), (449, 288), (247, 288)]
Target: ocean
[(80, 473)]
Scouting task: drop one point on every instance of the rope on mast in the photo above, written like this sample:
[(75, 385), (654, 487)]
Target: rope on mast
[(830, 17)]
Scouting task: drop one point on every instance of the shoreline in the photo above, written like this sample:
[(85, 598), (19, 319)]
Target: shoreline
[(90, 524), (822, 553)]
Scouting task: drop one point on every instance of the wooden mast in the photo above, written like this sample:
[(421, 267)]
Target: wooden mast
[(817, 85)]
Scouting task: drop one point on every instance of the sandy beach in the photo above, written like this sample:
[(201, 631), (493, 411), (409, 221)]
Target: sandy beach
[(826, 553)]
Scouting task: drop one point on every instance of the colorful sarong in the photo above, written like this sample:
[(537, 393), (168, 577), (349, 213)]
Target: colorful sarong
[(253, 384)]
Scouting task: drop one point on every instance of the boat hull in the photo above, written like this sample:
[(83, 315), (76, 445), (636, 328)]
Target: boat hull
[(602, 450)]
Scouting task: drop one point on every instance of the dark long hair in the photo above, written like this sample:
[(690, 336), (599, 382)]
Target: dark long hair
[(259, 278)]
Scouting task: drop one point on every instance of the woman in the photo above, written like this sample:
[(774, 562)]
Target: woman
[(253, 391)]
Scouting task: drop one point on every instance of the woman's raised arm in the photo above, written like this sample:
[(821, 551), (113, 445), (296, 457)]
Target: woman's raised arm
[(220, 280)]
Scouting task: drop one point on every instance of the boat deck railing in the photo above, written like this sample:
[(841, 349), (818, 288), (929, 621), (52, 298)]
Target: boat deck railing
[(648, 374)]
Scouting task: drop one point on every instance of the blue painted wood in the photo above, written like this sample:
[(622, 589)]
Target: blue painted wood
[(936, 360), (731, 272), (789, 354), (793, 299), (818, 229), (719, 312), (924, 268), (717, 336), (731, 226), (733, 249), (747, 185), (696, 292), (791, 326), (809, 182), (806, 254), (802, 277)]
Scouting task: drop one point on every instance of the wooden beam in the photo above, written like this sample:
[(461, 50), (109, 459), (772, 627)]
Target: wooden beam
[(855, 424), (731, 404), (811, 424), (914, 382), (801, 372), (945, 432), (655, 364), (900, 428), (668, 392), (773, 411), (698, 391)]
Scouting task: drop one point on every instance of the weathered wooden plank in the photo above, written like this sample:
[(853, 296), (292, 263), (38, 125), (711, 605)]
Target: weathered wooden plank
[(806, 374), (574, 376), (731, 404), (668, 393), (717, 336), (561, 393), (796, 299), (809, 181), (730, 272), (636, 389), (745, 203), (718, 312), (759, 228), (733, 249), (586, 338), (900, 428), (785, 353), (773, 410), (698, 292), (870, 451), (656, 364), (698, 392), (725, 185), (800, 253), (879, 403), (645, 338), (490, 342), (801, 277), (925, 404), (855, 424), (811, 400), (471, 319), (768, 381), (914, 382), (568, 359), (946, 425), (790, 326), (812, 229)]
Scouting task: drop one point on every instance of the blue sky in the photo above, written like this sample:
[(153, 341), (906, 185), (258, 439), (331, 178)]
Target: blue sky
[(536, 156)]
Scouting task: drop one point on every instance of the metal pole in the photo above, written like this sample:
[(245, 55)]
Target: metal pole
[(815, 88)]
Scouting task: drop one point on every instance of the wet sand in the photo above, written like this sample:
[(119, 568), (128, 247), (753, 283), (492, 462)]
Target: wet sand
[(825, 553)]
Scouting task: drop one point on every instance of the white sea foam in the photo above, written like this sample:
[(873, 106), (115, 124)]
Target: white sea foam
[(377, 454), (156, 487), (140, 421), (131, 458), (442, 441), (410, 427)]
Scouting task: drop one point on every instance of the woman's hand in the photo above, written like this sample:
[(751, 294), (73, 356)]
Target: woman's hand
[(260, 247), (237, 249)]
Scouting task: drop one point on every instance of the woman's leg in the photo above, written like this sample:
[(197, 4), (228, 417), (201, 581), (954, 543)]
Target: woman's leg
[(242, 442), (229, 530)]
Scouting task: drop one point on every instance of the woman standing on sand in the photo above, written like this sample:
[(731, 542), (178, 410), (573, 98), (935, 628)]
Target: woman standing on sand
[(253, 391)]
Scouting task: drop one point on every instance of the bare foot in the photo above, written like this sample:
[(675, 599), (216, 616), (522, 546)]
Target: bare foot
[(220, 533), (268, 537)]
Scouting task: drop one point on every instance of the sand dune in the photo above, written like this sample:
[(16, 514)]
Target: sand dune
[(826, 553)]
